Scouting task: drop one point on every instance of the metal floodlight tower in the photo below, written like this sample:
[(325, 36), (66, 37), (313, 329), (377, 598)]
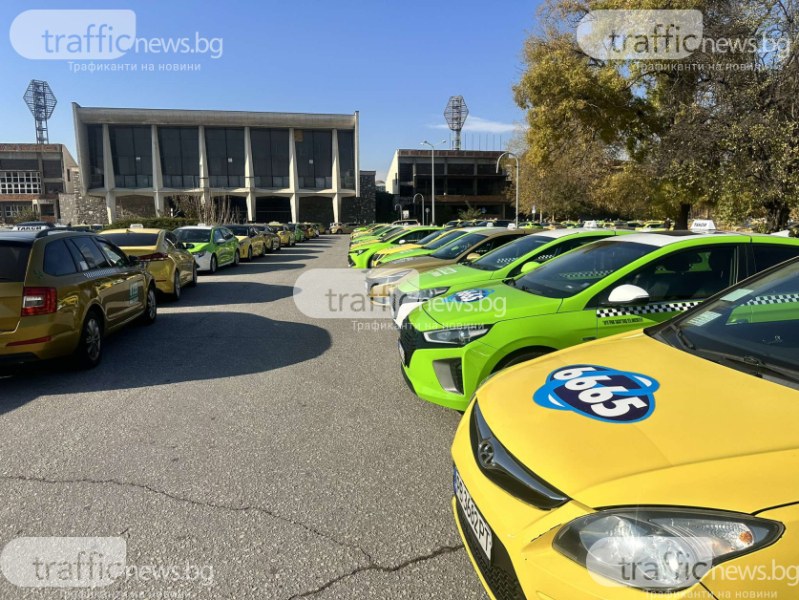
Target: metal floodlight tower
[(455, 114), (41, 101)]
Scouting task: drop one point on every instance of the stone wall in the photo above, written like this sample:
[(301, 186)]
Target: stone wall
[(77, 209), (362, 208)]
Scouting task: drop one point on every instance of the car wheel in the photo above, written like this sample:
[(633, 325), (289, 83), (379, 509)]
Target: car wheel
[(193, 282), (214, 265), (249, 253), (236, 259), (89, 352), (151, 307), (176, 287), (276, 247), (522, 356)]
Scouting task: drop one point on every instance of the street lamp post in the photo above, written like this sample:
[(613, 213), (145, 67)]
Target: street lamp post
[(433, 176), (414, 202), (516, 158)]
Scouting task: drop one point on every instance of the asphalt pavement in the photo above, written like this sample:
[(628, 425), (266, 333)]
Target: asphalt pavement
[(249, 449)]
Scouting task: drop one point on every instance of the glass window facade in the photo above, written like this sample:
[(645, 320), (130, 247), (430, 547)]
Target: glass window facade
[(20, 182), (51, 169), (94, 134), (346, 158), (270, 157), (225, 150), (314, 158), (179, 148), (131, 151)]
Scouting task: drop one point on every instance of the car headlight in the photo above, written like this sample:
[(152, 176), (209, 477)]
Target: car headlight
[(361, 251), (426, 294), (459, 336), (200, 254), (661, 549)]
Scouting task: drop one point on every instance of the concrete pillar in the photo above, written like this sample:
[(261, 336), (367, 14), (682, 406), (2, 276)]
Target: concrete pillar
[(205, 182), (111, 206), (337, 207), (294, 178), (358, 154), (158, 178), (108, 176), (249, 175)]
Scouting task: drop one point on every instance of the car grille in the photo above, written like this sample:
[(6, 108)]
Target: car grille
[(505, 470), (498, 573), (409, 339)]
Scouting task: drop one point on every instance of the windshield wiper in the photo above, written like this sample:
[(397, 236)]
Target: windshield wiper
[(750, 364)]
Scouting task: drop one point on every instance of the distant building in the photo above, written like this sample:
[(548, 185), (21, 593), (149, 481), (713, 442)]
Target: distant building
[(269, 166), (464, 179), (31, 178)]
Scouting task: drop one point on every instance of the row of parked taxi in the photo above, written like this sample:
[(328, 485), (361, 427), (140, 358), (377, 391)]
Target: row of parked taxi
[(63, 290), (629, 403)]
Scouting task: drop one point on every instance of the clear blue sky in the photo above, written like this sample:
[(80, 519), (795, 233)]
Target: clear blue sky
[(396, 62)]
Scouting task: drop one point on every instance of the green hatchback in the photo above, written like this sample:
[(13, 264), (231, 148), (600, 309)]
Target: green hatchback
[(212, 246), (450, 344)]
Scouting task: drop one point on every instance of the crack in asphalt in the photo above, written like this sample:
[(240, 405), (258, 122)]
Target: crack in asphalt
[(380, 569), (193, 502)]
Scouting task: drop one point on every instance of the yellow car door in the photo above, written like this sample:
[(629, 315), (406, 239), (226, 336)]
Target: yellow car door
[(128, 292)]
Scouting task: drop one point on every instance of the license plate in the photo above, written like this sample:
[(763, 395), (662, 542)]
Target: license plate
[(401, 352), (478, 525)]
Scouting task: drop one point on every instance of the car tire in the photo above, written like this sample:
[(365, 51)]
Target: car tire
[(214, 265), (236, 259), (276, 248), (150, 313), (89, 352), (519, 357), (193, 282), (177, 288), (249, 254)]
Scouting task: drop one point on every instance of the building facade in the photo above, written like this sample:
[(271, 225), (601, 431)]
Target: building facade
[(268, 166), (31, 178), (464, 179)]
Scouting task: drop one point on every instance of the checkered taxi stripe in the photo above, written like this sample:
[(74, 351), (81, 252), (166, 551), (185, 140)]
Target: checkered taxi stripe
[(658, 308), (774, 299), (97, 273)]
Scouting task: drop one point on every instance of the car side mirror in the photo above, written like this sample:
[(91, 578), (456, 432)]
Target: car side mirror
[(472, 256), (628, 294), (402, 242), (528, 267), (186, 245)]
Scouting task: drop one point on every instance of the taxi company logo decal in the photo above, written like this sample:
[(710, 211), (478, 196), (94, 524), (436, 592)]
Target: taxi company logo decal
[(600, 393), (469, 296)]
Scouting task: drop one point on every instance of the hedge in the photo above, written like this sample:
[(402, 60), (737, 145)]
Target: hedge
[(153, 223)]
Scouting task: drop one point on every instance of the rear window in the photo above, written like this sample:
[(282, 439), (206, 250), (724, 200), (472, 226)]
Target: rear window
[(13, 261), (131, 240)]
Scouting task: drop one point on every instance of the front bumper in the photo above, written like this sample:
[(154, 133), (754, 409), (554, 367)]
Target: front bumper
[(203, 262), (524, 563), (442, 374)]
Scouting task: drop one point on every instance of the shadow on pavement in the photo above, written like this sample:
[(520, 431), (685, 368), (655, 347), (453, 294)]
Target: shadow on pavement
[(220, 293), (179, 347)]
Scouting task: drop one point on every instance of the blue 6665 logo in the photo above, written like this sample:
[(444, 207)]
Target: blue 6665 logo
[(599, 392), (470, 295)]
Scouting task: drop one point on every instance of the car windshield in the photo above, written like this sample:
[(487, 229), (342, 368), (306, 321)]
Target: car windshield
[(388, 234), (194, 236), (239, 230), (131, 240), (458, 246), (509, 253), (428, 238), (443, 240), (753, 327), (13, 260), (576, 271)]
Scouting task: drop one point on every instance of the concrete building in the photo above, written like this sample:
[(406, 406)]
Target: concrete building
[(31, 178), (270, 166), (464, 179)]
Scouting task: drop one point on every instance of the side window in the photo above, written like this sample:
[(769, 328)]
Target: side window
[(171, 238), (114, 255), (219, 236), (693, 274), (58, 260), (768, 255), (91, 257)]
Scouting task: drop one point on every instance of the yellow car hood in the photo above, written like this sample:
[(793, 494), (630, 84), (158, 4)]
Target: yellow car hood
[(716, 437)]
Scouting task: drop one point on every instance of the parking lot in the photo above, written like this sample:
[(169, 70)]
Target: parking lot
[(261, 453)]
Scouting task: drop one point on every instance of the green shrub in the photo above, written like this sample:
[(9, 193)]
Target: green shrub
[(153, 223)]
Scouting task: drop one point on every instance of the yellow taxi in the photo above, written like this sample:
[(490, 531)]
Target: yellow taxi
[(283, 233), (171, 265), (655, 464), (252, 242), (62, 291)]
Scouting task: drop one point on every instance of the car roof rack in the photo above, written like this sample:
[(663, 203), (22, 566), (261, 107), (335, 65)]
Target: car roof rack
[(45, 232)]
